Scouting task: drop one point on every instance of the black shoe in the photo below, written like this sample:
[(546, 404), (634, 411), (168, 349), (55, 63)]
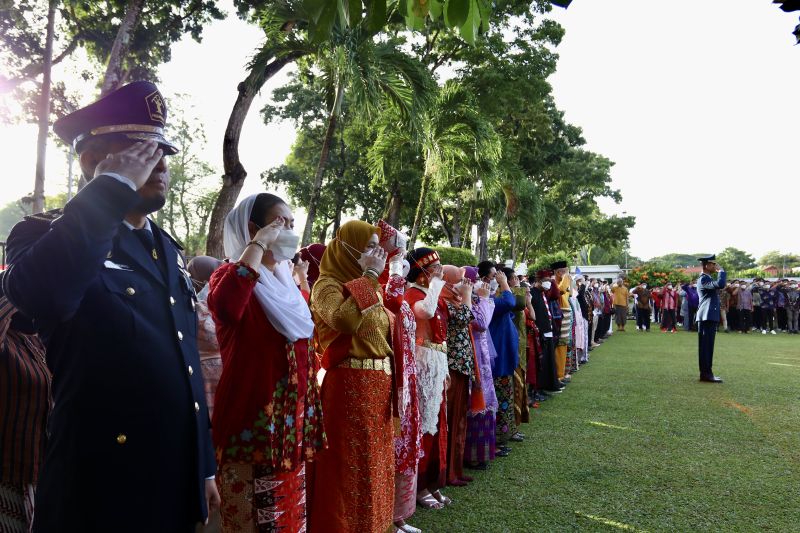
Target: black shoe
[(710, 379), (502, 453), (541, 397), (477, 466), (517, 437)]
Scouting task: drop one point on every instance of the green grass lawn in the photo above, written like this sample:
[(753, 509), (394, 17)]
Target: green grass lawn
[(636, 443)]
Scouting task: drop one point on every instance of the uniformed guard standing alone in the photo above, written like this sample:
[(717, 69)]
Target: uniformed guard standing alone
[(708, 315), (129, 446)]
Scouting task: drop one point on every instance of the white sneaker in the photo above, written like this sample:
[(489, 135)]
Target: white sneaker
[(763, 332), (773, 332)]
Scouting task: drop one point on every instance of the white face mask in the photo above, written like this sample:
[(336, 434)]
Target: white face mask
[(493, 285), (546, 285), (759, 284), (596, 285), (285, 246), (457, 286), (742, 286), (669, 287), (644, 285)]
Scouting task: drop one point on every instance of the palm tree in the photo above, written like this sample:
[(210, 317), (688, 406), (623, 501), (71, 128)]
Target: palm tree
[(454, 139), (370, 74)]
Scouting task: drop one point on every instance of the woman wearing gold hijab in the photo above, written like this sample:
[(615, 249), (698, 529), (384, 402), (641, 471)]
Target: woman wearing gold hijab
[(353, 486)]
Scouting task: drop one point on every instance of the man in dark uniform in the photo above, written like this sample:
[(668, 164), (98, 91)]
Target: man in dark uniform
[(708, 315), (129, 446), (546, 377)]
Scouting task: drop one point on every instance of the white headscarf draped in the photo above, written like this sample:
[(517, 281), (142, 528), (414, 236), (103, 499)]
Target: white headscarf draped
[(276, 291)]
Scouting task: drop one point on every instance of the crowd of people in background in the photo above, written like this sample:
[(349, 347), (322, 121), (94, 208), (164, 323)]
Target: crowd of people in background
[(758, 305)]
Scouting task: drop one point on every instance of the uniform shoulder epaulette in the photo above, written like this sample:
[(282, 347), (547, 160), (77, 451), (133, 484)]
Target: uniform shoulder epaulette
[(46, 216)]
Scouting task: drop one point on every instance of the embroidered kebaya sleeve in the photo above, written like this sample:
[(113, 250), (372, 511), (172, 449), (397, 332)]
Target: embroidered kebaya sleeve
[(482, 311), (426, 308), (343, 314), (230, 288), (394, 293)]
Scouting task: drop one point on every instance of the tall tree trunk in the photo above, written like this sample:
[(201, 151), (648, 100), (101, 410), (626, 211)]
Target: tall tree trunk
[(395, 204), (513, 240), (526, 247), (323, 232), (44, 111), (455, 238), (497, 241), (233, 179), (316, 192), (440, 214), (113, 77), (483, 236), (423, 193), (467, 232), (423, 196)]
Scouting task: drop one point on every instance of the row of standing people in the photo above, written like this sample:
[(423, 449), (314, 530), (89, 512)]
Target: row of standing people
[(757, 305), (434, 365)]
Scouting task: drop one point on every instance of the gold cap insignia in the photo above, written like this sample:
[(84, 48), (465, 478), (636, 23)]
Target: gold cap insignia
[(156, 107)]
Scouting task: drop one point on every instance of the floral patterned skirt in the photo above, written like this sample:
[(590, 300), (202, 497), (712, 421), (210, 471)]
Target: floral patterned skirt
[(506, 427), (354, 478), (257, 500)]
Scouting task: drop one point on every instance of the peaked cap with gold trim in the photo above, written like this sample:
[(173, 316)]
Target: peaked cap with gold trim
[(136, 111)]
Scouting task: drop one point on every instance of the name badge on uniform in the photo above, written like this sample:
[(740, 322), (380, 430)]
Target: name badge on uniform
[(116, 266)]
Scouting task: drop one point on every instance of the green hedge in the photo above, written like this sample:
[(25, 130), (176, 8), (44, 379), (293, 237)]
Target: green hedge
[(456, 256), (544, 261)]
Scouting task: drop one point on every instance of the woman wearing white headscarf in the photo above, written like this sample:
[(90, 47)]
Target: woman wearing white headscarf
[(267, 417)]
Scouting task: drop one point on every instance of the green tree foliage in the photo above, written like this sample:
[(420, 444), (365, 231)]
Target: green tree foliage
[(190, 197), (456, 256), (779, 259), (92, 26), (491, 152), (678, 259), (372, 75), (733, 259), (543, 261)]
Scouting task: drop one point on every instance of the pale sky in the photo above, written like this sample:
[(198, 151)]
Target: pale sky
[(694, 102)]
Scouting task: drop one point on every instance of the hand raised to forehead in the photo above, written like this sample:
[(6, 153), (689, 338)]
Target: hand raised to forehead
[(135, 162), (269, 233), (374, 259)]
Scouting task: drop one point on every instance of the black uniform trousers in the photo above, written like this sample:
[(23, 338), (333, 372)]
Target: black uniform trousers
[(546, 372), (706, 333)]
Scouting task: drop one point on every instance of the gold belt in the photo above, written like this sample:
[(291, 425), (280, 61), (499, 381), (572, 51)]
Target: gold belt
[(438, 347), (384, 364)]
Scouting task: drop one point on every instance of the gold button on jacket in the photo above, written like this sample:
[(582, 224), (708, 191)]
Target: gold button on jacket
[(122, 438)]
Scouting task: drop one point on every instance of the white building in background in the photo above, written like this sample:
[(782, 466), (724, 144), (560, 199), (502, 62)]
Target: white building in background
[(607, 272)]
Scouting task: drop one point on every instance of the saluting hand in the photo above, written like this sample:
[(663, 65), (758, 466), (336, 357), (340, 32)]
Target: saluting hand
[(374, 259), (466, 290), (301, 269), (269, 233), (135, 162)]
